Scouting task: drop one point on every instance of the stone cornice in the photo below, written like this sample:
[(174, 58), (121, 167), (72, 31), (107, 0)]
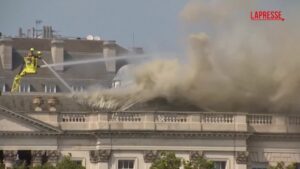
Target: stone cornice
[(160, 134), (280, 136), (27, 133)]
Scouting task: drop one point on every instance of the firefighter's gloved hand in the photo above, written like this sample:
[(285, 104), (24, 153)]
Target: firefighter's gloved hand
[(39, 54)]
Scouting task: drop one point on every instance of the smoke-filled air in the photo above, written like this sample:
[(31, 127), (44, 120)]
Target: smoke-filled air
[(232, 63)]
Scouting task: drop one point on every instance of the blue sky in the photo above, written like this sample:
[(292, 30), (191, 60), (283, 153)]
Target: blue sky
[(155, 23)]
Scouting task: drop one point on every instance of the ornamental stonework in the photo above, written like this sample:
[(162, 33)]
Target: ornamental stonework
[(195, 154), (53, 156), (10, 155), (100, 156), (94, 156), (37, 156), (150, 156), (242, 157)]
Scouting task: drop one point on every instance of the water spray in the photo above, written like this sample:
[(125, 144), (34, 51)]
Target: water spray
[(57, 76), (91, 61)]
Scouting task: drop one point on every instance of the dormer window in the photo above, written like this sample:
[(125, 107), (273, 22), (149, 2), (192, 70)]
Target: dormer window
[(50, 88), (78, 88), (116, 84), (3, 87), (25, 88)]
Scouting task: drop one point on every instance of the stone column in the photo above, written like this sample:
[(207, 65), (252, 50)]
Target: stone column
[(53, 156), (9, 158), (109, 50), (241, 159), (57, 52), (36, 156), (6, 53)]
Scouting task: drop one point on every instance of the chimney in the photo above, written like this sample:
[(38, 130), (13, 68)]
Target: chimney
[(57, 52), (6, 53), (109, 50), (137, 50)]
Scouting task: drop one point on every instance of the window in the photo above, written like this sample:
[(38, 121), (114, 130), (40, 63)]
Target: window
[(50, 88), (125, 164), (116, 84), (259, 166), (78, 88), (3, 88), (25, 88), (78, 162), (220, 164)]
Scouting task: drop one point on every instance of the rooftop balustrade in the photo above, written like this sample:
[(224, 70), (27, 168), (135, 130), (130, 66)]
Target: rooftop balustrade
[(182, 121)]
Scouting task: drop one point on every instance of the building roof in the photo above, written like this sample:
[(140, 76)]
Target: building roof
[(77, 75)]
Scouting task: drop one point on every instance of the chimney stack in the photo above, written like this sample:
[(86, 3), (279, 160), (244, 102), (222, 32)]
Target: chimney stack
[(109, 50), (6, 53), (57, 52)]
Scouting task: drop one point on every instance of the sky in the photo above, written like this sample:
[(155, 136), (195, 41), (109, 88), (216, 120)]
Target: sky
[(155, 23)]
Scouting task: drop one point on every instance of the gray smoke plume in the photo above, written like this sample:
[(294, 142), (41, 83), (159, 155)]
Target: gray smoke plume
[(237, 65)]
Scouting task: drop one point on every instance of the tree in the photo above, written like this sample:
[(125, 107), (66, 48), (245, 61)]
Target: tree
[(45, 166), (198, 163), (166, 160), (66, 162), (2, 166), (20, 166), (281, 165)]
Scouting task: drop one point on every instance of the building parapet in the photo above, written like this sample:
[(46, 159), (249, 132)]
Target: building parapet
[(181, 121)]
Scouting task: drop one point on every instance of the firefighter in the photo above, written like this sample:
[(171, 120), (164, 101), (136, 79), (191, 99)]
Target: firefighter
[(29, 66)]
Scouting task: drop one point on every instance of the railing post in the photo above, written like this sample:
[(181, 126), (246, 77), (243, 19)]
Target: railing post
[(149, 120), (103, 122), (240, 122), (279, 123), (195, 120)]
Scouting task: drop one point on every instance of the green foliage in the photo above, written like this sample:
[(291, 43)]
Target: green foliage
[(21, 166), (167, 160), (2, 166), (66, 162), (45, 166), (281, 165), (198, 163)]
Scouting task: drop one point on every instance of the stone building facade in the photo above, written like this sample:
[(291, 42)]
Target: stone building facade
[(40, 126)]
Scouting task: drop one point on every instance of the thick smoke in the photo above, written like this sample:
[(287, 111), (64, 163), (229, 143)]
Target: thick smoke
[(235, 65)]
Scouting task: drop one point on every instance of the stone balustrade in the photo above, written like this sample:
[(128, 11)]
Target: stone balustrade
[(181, 121), (217, 118), (73, 118), (75, 121), (259, 119)]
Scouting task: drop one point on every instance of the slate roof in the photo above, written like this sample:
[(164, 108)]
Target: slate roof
[(76, 75)]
